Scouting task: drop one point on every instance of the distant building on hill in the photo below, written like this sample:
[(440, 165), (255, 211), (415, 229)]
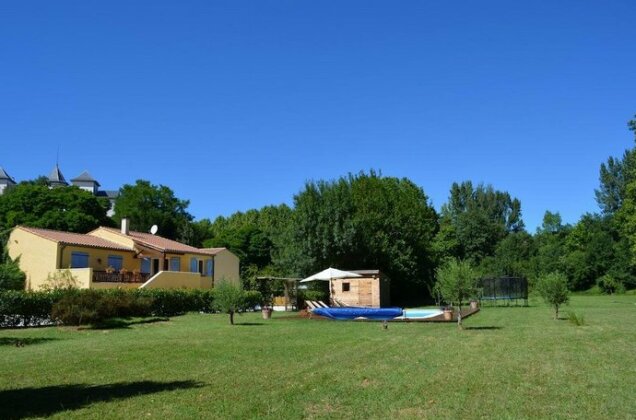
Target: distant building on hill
[(5, 180), (56, 180)]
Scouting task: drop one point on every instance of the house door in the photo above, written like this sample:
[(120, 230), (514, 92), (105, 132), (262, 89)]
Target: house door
[(155, 266)]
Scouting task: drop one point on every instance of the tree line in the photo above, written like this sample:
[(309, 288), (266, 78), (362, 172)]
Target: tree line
[(368, 220)]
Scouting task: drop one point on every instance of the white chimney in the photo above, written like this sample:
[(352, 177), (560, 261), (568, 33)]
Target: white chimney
[(125, 225)]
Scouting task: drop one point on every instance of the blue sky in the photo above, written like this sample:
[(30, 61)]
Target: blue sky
[(235, 104)]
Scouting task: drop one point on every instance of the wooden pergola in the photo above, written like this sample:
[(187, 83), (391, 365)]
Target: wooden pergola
[(290, 290)]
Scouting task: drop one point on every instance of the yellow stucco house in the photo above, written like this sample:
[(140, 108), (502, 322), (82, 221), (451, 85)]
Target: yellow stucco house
[(107, 257)]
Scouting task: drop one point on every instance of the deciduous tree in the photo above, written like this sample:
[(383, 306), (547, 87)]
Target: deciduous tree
[(146, 205)]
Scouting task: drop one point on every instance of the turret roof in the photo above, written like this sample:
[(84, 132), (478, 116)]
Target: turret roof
[(85, 177), (56, 176)]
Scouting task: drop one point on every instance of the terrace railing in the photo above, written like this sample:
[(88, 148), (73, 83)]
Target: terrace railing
[(126, 277)]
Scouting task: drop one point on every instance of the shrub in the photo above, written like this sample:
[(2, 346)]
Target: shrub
[(553, 288), (63, 279), (21, 308), (11, 277), (252, 298), (315, 295), (609, 284), (575, 319), (172, 302), (80, 308)]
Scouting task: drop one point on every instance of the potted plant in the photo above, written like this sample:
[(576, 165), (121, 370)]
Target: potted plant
[(266, 306), (267, 312)]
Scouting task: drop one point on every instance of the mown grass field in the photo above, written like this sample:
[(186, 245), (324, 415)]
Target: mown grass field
[(508, 363)]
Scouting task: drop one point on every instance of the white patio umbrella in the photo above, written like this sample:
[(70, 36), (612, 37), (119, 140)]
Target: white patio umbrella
[(330, 274)]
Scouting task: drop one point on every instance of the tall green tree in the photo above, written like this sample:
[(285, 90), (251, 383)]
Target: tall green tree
[(615, 176), (69, 209), (255, 236), (364, 221), (475, 220), (550, 246), (617, 199), (513, 257), (146, 204), (589, 251)]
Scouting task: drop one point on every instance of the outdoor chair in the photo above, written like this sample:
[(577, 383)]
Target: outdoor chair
[(311, 305)]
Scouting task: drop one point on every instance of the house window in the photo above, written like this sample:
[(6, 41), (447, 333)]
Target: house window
[(175, 264), (145, 265), (115, 261), (201, 267), (79, 260), (194, 265), (209, 268), (346, 287)]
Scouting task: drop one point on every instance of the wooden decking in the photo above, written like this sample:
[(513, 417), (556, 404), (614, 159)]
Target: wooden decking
[(440, 318)]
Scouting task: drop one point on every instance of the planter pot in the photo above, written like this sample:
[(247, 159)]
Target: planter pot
[(448, 314), (474, 304), (267, 313)]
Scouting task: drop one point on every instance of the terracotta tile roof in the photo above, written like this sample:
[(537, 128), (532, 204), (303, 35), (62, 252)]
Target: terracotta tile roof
[(163, 244), (213, 251), (74, 238)]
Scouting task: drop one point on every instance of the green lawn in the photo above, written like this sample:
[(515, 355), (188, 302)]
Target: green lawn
[(509, 362)]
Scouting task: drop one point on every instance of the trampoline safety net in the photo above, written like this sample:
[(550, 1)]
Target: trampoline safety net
[(504, 288)]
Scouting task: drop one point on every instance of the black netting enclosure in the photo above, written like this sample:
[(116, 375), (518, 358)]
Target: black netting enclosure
[(507, 289)]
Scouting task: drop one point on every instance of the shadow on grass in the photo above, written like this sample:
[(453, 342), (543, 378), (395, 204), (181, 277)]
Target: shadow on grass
[(23, 341), (489, 327), (118, 323), (48, 400)]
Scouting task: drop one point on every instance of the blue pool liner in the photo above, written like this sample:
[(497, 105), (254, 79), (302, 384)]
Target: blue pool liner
[(381, 314)]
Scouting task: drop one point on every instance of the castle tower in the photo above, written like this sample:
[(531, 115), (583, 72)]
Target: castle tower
[(5, 181), (86, 182), (56, 179)]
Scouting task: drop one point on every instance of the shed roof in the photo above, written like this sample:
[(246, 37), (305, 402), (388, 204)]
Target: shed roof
[(364, 274), (79, 239)]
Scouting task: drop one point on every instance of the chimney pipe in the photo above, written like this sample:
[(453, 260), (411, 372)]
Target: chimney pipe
[(125, 225)]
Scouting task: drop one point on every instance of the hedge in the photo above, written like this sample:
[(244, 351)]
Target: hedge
[(85, 306)]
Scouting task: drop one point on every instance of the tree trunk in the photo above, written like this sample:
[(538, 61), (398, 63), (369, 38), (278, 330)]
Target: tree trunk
[(459, 317), (232, 317), (556, 312)]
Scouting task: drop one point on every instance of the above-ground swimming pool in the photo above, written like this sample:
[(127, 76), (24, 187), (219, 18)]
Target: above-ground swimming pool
[(420, 313)]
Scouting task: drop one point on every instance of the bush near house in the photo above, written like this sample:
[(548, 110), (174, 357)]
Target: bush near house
[(20, 308), (81, 307)]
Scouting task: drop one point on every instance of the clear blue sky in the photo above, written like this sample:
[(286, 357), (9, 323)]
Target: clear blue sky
[(235, 104)]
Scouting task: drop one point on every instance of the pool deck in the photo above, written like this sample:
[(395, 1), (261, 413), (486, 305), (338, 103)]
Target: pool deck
[(439, 318)]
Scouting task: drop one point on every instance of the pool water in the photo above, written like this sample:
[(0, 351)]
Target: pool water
[(421, 313)]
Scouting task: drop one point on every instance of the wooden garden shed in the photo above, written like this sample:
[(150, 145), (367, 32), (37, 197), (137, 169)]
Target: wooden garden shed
[(371, 290)]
